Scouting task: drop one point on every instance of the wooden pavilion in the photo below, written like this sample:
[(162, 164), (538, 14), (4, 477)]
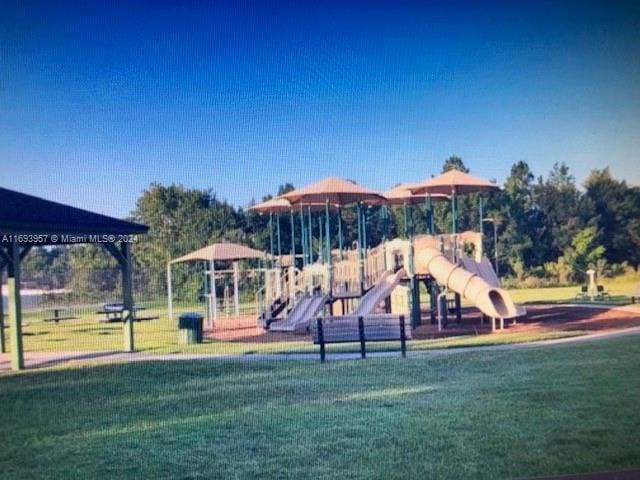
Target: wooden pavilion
[(27, 221)]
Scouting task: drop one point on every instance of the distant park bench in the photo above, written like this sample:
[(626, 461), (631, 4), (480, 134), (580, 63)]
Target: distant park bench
[(372, 328), (114, 312)]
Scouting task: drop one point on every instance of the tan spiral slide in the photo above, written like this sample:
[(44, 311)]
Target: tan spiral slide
[(490, 300)]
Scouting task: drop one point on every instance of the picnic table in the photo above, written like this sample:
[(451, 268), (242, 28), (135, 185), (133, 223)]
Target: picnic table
[(57, 313), (114, 312)]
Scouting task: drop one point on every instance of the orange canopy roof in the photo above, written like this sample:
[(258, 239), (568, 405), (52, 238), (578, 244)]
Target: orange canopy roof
[(453, 181), (336, 191), (402, 194)]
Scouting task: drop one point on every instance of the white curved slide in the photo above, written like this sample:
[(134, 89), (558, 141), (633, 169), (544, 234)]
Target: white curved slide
[(379, 292), (490, 300), (300, 315)]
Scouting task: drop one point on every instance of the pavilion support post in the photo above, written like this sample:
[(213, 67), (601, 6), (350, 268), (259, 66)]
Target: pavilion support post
[(15, 307), (169, 292), (213, 299), (236, 298), (127, 297), (405, 220), (3, 347)]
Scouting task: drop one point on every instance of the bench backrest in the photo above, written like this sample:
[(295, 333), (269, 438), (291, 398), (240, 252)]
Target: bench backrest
[(377, 328)]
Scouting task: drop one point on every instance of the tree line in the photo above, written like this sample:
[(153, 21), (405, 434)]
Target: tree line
[(550, 231)]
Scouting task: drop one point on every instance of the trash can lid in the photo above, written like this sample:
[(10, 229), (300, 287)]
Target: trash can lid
[(194, 315)]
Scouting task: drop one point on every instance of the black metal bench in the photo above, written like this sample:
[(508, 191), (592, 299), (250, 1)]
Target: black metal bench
[(372, 328)]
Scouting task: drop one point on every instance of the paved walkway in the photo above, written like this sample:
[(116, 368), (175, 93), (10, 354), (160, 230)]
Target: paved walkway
[(48, 359)]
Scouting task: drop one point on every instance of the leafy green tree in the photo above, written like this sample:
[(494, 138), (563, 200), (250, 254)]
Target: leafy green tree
[(616, 212), (559, 201)]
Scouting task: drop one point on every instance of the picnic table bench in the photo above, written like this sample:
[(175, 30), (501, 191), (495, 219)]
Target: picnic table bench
[(371, 328), (57, 311), (114, 312)]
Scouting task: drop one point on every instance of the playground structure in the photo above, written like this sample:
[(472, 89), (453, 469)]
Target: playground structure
[(321, 276), (364, 281)]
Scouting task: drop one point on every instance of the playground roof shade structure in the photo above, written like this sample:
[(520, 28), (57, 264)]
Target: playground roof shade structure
[(401, 194), (31, 221), (333, 190), (282, 205), (453, 182), (22, 213), (221, 252)]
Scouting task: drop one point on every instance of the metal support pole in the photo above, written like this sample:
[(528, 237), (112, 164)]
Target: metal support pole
[(329, 254), (236, 298), (321, 244), (271, 236), (404, 211), (279, 243), (481, 214), (428, 214), (360, 257), (328, 232), (454, 240), (213, 299), (495, 246), (340, 238), (364, 230), (293, 240), (169, 292), (127, 297), (15, 307), (303, 237), (310, 226)]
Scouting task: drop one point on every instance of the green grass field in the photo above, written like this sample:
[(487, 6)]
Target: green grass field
[(161, 336), (487, 415)]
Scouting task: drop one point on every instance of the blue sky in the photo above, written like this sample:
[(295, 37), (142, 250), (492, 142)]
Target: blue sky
[(98, 100)]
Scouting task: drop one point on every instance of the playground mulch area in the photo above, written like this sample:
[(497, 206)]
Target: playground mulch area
[(539, 318)]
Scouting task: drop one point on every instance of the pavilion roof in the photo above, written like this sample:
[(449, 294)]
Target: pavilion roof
[(21, 213)]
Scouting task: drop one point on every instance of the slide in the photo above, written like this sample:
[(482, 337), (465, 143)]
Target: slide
[(379, 292), (491, 300), (484, 269), (302, 313)]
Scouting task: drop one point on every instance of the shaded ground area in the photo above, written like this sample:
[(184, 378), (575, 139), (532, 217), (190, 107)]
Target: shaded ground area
[(540, 318)]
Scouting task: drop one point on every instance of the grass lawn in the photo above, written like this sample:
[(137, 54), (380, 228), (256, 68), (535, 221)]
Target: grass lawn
[(620, 289), (470, 415), (160, 336)]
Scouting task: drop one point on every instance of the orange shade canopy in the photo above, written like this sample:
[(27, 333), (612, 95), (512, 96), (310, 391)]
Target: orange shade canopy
[(336, 191), (453, 181), (401, 194)]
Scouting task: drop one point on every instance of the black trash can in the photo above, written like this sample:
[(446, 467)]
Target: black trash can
[(190, 328)]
